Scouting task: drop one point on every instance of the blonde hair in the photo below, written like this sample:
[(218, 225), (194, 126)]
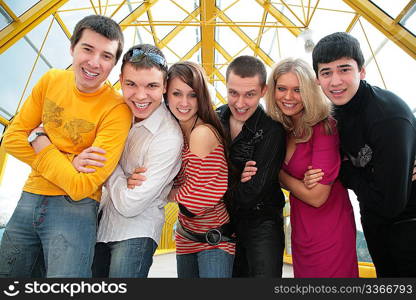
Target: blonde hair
[(317, 107)]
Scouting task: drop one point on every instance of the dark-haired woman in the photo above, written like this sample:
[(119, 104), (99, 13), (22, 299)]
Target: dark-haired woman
[(203, 240)]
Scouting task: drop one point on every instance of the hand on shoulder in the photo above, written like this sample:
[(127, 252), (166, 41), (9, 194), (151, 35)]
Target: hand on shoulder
[(202, 141)]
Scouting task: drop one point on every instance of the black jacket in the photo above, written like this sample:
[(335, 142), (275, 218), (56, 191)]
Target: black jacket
[(378, 135), (262, 140)]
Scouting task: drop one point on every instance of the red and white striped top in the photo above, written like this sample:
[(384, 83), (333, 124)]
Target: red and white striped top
[(202, 183)]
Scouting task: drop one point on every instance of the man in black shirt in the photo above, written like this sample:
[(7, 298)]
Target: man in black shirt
[(378, 142), (256, 205)]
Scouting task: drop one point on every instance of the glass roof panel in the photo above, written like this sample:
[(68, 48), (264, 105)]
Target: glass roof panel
[(73, 11), (411, 24), (333, 5), (383, 70), (167, 12), (5, 19), (20, 7), (244, 14), (409, 20), (124, 11), (56, 48), (185, 41), (392, 8), (12, 82), (229, 40), (398, 81)]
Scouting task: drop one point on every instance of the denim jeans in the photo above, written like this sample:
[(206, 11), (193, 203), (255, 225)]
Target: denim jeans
[(55, 233), (130, 258), (212, 263)]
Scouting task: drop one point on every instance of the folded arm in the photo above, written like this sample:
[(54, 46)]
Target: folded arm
[(111, 135), (162, 163)]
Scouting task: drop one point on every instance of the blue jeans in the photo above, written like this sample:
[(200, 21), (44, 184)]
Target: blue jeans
[(212, 263), (130, 258), (54, 233)]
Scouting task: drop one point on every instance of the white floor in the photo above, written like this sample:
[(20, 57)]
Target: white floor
[(164, 266)]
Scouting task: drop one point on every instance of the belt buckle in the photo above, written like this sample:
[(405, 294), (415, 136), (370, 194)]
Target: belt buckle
[(210, 236)]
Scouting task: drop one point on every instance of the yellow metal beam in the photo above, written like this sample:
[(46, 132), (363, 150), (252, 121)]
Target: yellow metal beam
[(273, 24), (310, 16), (220, 97), (8, 10), (191, 52), (165, 41), (179, 28), (395, 32), (223, 52), (313, 12), (26, 22), (4, 121), (117, 8), (352, 23), (99, 7), (261, 29), (293, 13), (279, 17), (405, 11), (152, 28), (135, 14), (187, 56), (34, 65), (62, 24), (208, 10), (263, 55), (183, 9), (93, 7), (220, 76)]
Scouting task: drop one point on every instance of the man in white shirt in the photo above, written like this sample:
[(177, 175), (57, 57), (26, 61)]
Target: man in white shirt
[(132, 218)]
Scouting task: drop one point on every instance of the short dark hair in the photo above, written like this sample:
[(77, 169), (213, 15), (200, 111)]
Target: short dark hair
[(247, 66), (335, 46), (102, 25), (145, 56)]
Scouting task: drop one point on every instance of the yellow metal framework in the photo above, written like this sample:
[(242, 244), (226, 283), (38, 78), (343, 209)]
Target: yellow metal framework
[(26, 22), (388, 26), (208, 17)]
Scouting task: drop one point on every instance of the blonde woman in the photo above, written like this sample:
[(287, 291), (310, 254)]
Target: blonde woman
[(322, 220)]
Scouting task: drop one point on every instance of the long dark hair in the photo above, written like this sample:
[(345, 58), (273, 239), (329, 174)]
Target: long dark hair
[(194, 76)]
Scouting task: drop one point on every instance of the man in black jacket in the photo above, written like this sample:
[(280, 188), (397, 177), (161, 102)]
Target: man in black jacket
[(378, 142), (255, 206)]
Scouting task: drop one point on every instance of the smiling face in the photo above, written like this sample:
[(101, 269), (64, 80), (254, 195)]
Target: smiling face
[(182, 99), (244, 95), (287, 95), (340, 79), (142, 90), (94, 56)]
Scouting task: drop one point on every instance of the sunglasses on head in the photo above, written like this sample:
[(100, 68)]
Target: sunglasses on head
[(136, 55)]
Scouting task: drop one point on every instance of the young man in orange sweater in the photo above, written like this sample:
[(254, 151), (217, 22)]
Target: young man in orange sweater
[(55, 218)]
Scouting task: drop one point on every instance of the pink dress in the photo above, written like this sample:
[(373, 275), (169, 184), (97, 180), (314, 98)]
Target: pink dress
[(324, 238)]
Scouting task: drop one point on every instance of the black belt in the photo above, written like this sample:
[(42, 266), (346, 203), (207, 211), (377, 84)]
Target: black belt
[(213, 236)]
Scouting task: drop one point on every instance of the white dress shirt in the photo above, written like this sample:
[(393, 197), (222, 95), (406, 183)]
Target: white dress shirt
[(156, 144)]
